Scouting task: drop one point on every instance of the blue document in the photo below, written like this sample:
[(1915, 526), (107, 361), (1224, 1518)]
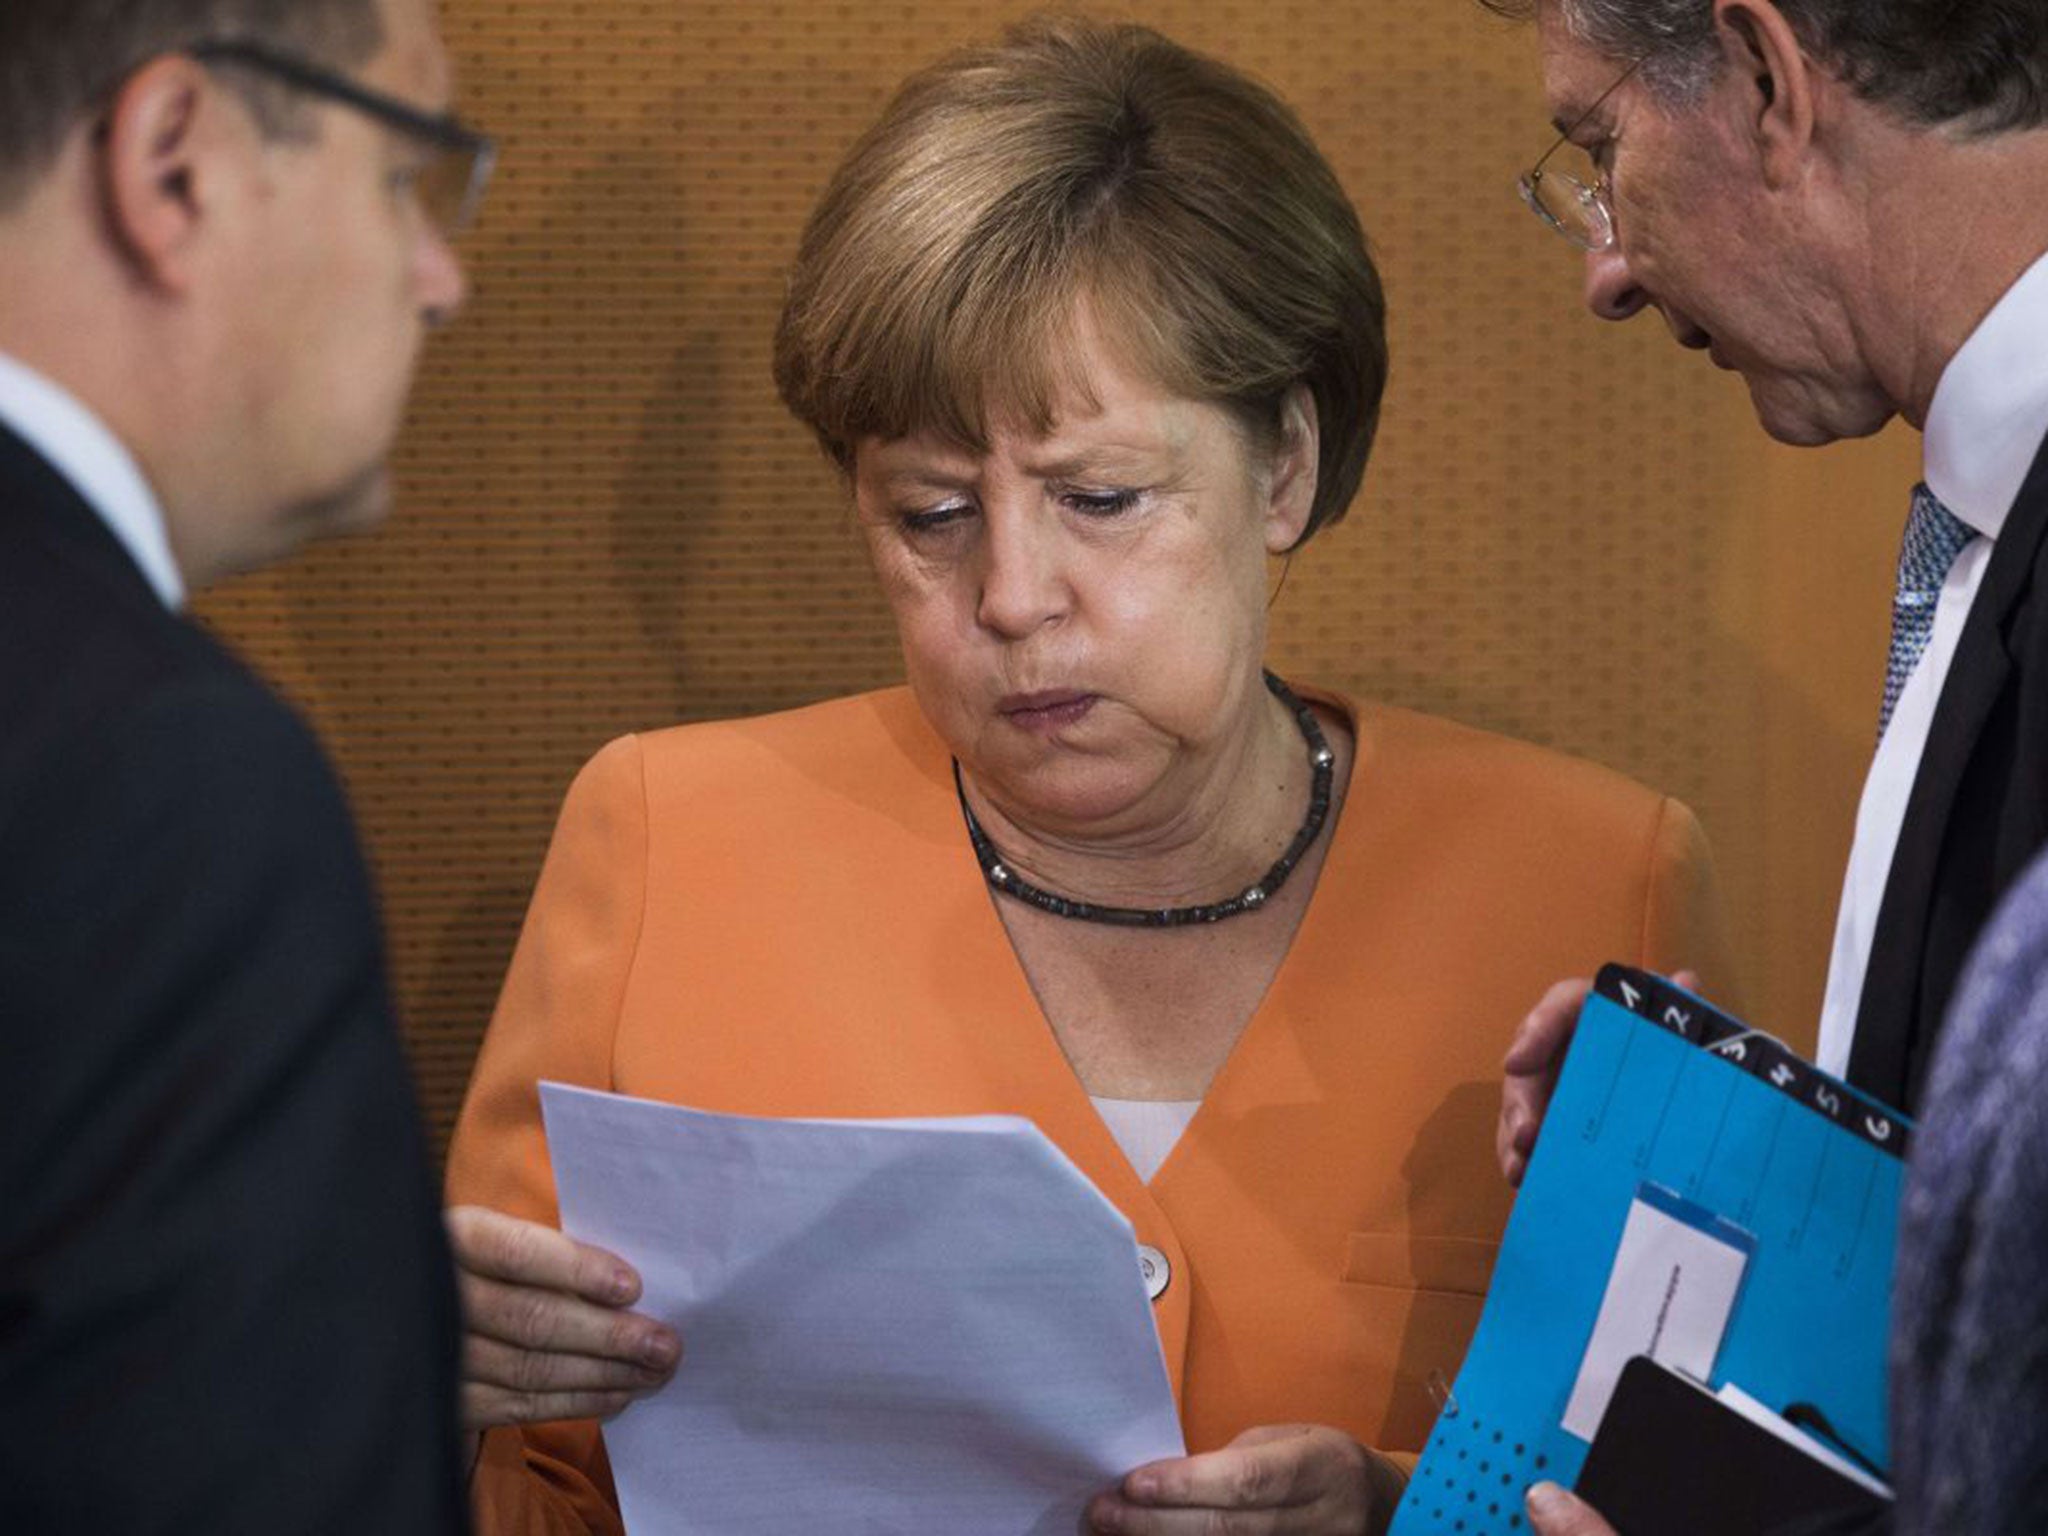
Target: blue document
[(1699, 1194)]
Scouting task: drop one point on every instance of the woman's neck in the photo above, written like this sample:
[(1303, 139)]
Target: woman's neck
[(1202, 833)]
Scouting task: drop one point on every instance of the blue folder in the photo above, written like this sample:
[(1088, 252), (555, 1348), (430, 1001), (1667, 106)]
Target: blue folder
[(1663, 1095)]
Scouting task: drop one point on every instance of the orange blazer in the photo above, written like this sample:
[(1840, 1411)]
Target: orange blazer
[(782, 916)]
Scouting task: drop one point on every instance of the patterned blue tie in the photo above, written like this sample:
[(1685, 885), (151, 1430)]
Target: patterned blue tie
[(1934, 537)]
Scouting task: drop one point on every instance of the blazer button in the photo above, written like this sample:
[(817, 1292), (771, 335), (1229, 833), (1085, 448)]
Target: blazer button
[(1157, 1272)]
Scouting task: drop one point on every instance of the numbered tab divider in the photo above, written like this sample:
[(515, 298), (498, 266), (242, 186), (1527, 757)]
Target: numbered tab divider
[(1662, 1088)]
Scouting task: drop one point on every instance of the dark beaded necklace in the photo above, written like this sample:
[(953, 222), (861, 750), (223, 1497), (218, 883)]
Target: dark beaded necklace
[(1006, 880)]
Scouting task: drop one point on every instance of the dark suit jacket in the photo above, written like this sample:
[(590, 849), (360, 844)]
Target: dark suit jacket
[(225, 1302), (1977, 814), (1969, 1374)]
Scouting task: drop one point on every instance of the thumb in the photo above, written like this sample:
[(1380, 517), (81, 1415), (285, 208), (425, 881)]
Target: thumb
[(1555, 1512)]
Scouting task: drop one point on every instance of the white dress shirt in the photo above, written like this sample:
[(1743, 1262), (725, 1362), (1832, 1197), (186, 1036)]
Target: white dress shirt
[(78, 445), (1987, 422)]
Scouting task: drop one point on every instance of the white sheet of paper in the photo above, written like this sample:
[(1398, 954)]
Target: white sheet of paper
[(1669, 1296), (901, 1326)]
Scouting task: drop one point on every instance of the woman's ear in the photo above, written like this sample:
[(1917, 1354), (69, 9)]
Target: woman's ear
[(1291, 487)]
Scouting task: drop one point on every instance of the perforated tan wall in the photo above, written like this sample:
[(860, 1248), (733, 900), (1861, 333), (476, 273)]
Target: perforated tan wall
[(1571, 531)]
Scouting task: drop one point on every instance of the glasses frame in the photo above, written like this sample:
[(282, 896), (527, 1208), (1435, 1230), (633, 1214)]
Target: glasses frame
[(1597, 199), (443, 130)]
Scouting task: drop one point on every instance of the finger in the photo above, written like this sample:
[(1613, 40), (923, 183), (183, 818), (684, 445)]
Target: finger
[(1523, 1104), (547, 1320), (1270, 1467), (1512, 1133), (1554, 1512), (1234, 1478), (1514, 1167), (1542, 1036), (1530, 1072), (485, 1407), (1688, 979), (531, 1372), (527, 1253)]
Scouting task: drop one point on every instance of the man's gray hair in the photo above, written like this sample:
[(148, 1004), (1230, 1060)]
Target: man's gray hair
[(1979, 65)]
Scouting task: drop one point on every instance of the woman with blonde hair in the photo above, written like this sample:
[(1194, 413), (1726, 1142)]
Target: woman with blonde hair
[(1092, 331)]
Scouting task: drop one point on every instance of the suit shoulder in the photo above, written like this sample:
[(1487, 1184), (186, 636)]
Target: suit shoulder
[(1483, 766), (207, 750), (80, 665), (848, 739)]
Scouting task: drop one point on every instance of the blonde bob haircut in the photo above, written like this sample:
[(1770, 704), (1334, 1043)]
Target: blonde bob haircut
[(1083, 168)]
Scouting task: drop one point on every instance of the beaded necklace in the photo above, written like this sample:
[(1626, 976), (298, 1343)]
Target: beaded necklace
[(1006, 880)]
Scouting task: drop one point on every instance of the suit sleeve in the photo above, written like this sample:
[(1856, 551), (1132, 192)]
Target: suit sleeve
[(1969, 1343), (225, 1302), (1684, 923), (557, 1020)]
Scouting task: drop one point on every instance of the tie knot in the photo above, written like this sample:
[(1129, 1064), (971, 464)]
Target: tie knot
[(1934, 537)]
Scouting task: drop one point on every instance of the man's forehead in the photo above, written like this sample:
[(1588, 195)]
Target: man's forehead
[(1575, 73)]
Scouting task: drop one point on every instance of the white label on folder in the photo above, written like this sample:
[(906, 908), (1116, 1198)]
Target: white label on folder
[(1676, 1275)]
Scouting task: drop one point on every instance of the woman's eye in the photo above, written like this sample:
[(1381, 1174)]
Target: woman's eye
[(1100, 503), (928, 519)]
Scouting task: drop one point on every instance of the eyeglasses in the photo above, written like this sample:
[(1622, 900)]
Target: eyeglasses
[(1578, 202), (449, 187)]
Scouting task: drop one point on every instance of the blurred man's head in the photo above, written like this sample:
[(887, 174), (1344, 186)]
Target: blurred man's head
[(224, 225), (1793, 185)]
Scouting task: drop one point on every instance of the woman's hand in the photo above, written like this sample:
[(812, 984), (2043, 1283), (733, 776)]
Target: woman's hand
[(546, 1333), (1278, 1478)]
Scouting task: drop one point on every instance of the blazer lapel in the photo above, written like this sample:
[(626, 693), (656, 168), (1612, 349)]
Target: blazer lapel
[(1888, 1019)]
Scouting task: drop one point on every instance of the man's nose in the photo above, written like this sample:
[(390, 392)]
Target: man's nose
[(1612, 292), (439, 279)]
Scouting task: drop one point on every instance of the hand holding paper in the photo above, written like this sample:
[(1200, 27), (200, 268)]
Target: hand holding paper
[(545, 1330), (1301, 1478), (903, 1326)]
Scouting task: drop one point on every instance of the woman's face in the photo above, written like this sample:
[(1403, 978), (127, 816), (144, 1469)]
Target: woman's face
[(1083, 614)]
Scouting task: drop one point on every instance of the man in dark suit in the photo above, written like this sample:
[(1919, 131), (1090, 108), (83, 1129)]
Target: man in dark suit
[(1846, 201), (225, 1304)]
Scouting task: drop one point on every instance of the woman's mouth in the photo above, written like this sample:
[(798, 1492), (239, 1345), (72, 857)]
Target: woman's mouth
[(1045, 712)]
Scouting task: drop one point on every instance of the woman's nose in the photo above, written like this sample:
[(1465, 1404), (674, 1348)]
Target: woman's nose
[(1612, 292), (1023, 581)]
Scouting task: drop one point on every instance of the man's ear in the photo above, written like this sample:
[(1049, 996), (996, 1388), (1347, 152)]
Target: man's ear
[(1777, 81), (1291, 490), (160, 146)]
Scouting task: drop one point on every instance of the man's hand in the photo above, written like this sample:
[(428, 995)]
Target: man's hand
[(1283, 1478), (1531, 1067), (546, 1330), (1555, 1512)]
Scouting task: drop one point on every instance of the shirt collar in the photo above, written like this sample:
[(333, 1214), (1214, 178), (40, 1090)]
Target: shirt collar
[(1990, 410), (79, 446)]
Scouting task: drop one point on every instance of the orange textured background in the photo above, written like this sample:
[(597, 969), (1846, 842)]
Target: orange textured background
[(1570, 532)]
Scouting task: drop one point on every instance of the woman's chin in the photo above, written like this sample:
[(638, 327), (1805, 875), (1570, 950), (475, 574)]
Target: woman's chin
[(1073, 797)]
